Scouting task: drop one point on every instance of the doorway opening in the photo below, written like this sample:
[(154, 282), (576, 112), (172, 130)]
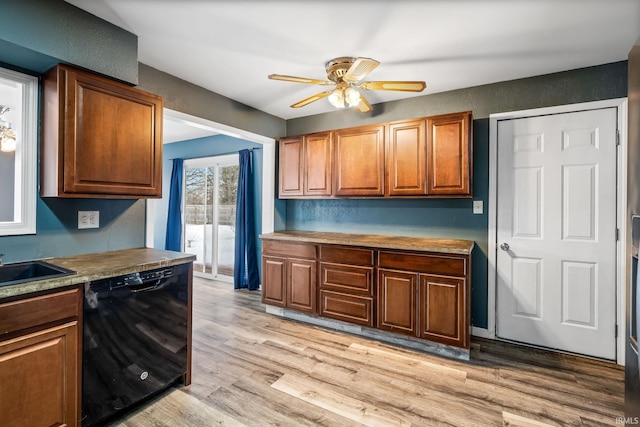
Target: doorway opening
[(210, 192)]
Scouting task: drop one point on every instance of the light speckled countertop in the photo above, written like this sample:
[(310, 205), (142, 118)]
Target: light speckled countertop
[(99, 266), (426, 244)]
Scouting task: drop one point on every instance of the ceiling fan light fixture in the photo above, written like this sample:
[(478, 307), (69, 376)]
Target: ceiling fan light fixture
[(352, 96), (347, 73), (8, 145), (337, 98)]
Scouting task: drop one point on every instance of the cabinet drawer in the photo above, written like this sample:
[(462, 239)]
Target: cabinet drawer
[(348, 308), (435, 264), (30, 312), (297, 250), (347, 278), (344, 255)]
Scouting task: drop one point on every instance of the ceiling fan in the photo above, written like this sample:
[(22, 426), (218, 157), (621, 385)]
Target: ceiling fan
[(346, 73)]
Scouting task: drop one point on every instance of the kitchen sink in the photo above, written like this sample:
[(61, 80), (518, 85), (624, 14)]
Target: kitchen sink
[(28, 271)]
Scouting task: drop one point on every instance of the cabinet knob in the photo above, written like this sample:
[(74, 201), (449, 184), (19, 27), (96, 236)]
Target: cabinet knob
[(504, 246)]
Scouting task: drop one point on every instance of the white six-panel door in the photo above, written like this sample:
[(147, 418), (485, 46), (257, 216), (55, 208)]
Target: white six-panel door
[(556, 231)]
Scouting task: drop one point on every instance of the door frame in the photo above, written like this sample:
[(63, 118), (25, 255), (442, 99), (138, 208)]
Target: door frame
[(621, 182)]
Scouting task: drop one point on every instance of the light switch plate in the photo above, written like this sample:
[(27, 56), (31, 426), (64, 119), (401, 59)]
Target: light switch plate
[(88, 219), (478, 207)]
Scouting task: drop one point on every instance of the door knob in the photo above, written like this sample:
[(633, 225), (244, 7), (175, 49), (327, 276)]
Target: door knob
[(504, 246)]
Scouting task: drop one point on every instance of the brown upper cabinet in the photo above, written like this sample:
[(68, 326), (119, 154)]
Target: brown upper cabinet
[(406, 159), (449, 155), (305, 165), (359, 161), (291, 166), (101, 138), (425, 157)]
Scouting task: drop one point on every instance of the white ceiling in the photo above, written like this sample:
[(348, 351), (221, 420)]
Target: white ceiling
[(229, 47)]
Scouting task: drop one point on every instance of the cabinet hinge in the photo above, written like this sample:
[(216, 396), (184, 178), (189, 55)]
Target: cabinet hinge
[(616, 331), (617, 234), (617, 137)]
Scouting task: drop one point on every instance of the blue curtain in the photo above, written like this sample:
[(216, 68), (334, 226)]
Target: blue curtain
[(245, 271), (173, 241)]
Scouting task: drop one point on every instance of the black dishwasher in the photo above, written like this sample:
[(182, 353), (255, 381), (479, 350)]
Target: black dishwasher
[(135, 339)]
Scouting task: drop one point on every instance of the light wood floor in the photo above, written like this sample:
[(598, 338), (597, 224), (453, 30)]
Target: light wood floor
[(255, 369)]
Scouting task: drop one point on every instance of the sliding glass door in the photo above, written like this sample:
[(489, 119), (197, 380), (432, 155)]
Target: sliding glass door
[(210, 189)]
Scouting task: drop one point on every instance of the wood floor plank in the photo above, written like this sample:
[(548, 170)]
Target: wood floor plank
[(178, 409), (316, 393), (411, 362), (513, 420), (420, 401), (276, 407)]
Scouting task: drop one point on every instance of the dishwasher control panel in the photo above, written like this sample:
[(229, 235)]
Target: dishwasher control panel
[(133, 279)]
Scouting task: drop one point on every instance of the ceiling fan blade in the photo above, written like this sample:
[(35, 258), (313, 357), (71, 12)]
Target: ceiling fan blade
[(311, 99), (364, 105), (299, 79), (360, 68), (405, 86)]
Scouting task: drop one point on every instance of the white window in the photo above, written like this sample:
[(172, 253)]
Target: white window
[(18, 159)]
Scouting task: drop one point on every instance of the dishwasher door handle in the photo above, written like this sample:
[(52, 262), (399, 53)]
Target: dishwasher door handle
[(147, 286)]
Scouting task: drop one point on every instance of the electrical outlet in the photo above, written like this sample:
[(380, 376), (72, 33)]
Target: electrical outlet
[(88, 219), (478, 207)]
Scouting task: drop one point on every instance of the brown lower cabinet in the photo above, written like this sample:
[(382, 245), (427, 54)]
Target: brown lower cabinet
[(289, 273), (39, 360), (423, 295)]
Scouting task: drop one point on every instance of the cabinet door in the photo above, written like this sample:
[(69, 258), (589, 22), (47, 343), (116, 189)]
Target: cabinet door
[(273, 281), (406, 157), (359, 161), (111, 136), (301, 284), (317, 164), (443, 310), (290, 172), (449, 154), (39, 378), (397, 295)]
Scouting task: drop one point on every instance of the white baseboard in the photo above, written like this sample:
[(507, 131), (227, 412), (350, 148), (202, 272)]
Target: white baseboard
[(482, 333)]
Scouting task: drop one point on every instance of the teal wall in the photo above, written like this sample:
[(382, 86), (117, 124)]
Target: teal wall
[(452, 218), (38, 34)]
